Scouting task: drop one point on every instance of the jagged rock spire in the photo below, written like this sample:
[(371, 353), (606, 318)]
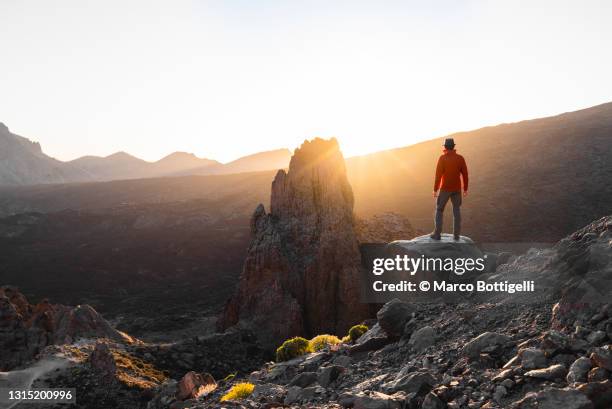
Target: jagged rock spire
[(301, 273)]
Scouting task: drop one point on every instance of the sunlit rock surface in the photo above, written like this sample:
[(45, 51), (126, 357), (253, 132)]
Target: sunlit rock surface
[(301, 273)]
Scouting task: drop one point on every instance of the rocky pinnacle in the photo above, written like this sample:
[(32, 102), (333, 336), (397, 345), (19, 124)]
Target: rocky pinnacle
[(301, 273)]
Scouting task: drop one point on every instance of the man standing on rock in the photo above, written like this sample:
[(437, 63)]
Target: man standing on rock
[(450, 171)]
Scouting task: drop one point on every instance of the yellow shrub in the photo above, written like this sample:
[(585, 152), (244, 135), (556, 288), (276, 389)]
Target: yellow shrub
[(238, 391), (292, 348), (356, 331), (323, 341)]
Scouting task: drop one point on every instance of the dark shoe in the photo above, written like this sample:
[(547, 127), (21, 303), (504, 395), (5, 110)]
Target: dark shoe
[(435, 236)]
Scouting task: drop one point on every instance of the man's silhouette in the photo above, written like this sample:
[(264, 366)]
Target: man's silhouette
[(449, 172)]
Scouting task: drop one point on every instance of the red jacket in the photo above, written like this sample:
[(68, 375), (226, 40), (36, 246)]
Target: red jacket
[(449, 172)]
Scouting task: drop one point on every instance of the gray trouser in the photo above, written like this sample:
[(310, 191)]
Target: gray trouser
[(455, 198)]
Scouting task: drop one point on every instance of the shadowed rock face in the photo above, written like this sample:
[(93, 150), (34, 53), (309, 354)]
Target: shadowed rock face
[(301, 274), (26, 329)]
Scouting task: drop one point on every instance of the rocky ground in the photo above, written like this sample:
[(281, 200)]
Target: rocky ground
[(442, 356), (414, 356), (510, 353)]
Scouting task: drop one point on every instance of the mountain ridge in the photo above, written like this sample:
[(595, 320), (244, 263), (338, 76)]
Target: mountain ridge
[(25, 163), (122, 165)]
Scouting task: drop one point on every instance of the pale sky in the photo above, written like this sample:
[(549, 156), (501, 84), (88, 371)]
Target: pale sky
[(227, 78)]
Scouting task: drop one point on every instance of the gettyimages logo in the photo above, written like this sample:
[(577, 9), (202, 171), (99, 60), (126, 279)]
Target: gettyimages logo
[(437, 272), (412, 265)]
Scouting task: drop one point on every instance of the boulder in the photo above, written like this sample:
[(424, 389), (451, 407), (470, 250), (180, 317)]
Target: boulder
[(378, 400), (303, 379), (329, 374), (579, 370), (532, 358), (371, 344), (551, 373), (485, 342), (295, 394), (432, 401), (392, 317), (554, 398), (446, 247), (422, 338), (193, 385), (414, 382), (602, 357), (598, 374)]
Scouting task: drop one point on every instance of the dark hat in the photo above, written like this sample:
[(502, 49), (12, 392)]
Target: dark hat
[(449, 143)]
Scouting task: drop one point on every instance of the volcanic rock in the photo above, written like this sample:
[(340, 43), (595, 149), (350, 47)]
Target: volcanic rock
[(26, 329), (194, 385), (554, 398), (551, 373), (102, 360), (432, 401), (602, 357), (485, 342), (579, 370), (304, 379), (392, 317), (423, 338), (301, 273), (414, 382), (532, 358), (378, 400), (599, 392), (329, 374), (598, 374)]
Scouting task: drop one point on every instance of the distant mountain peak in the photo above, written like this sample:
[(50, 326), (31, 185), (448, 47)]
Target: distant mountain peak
[(180, 154), (121, 155)]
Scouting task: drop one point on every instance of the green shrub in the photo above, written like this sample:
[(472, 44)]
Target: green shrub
[(292, 348), (238, 391), (323, 341), (356, 331)]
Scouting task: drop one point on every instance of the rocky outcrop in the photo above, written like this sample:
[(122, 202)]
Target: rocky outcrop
[(301, 273), (26, 329), (575, 272)]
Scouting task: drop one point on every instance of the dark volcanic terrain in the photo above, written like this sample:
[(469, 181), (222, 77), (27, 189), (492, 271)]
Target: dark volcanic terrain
[(171, 246)]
